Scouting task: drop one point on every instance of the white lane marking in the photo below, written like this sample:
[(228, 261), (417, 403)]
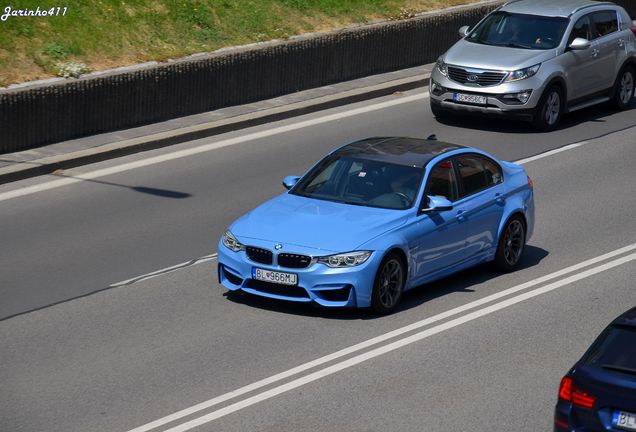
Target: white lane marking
[(395, 345), (164, 271), (551, 152), (370, 342), (207, 147)]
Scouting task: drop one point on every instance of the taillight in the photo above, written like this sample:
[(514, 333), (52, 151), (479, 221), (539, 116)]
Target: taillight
[(569, 392), (530, 183), (634, 30)]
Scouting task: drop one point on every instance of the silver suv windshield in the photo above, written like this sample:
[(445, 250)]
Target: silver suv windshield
[(519, 31)]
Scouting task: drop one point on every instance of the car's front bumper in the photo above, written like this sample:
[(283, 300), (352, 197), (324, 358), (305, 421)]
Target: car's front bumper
[(442, 90), (318, 283)]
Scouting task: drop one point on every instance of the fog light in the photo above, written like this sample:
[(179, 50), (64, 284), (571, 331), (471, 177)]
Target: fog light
[(517, 98), (437, 89)]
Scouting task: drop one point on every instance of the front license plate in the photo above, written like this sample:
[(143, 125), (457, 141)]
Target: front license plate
[(467, 98), (274, 276), (624, 420)]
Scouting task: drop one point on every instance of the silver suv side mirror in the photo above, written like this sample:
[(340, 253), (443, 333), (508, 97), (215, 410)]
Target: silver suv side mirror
[(580, 44), (464, 30)]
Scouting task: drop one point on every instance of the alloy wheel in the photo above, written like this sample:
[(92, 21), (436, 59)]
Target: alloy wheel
[(553, 108), (513, 242), (391, 280), (626, 91)]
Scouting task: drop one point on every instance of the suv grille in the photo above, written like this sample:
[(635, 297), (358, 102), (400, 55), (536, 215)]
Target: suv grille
[(259, 255), (293, 260), (486, 78)]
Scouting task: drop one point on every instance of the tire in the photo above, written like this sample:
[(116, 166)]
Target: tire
[(388, 284), (549, 110), (512, 243), (624, 88)]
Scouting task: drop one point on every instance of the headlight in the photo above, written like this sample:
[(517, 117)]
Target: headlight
[(441, 67), (349, 259), (523, 73), (231, 242)]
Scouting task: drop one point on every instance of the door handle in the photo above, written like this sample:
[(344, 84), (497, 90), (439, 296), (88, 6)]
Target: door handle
[(499, 199), (594, 52), (461, 216)]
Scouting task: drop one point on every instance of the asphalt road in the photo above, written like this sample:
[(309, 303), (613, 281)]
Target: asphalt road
[(126, 356)]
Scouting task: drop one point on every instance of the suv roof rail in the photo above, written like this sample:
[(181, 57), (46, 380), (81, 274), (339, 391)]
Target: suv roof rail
[(600, 3)]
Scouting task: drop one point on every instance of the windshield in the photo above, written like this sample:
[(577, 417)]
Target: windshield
[(615, 350), (519, 31), (356, 181)]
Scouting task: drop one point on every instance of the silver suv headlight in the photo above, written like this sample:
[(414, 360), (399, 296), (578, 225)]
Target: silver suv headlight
[(230, 242), (441, 67), (348, 259), (523, 73)]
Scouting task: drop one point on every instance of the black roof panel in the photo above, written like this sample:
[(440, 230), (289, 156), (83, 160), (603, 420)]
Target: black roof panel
[(397, 150)]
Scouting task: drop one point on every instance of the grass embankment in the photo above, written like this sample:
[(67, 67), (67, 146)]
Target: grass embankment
[(109, 33)]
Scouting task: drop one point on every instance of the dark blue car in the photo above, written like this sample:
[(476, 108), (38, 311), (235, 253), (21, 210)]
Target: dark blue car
[(599, 392)]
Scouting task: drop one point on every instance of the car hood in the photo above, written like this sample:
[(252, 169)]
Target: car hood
[(474, 55), (311, 223)]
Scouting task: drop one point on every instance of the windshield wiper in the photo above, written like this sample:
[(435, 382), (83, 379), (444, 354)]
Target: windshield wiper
[(619, 369)]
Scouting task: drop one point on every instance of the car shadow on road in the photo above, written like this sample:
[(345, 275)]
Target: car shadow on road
[(464, 281), (593, 114)]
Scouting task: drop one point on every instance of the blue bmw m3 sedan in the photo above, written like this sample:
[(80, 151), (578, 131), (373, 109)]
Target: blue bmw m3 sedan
[(377, 217), (599, 392)]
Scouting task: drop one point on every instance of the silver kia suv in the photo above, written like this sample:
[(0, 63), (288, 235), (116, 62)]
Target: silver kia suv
[(538, 59)]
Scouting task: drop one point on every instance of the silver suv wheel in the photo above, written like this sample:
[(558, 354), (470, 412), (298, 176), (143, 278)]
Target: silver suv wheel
[(549, 110), (553, 108), (624, 89)]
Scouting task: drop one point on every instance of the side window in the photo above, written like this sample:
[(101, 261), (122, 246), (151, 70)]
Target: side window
[(473, 174), (442, 181), (605, 22), (494, 175), (582, 29)]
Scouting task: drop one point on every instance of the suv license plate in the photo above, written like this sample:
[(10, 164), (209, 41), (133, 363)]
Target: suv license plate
[(624, 420), (274, 276), (468, 98)]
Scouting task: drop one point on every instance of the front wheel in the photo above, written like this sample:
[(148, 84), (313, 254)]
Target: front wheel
[(511, 245), (624, 89), (388, 284), (549, 110)]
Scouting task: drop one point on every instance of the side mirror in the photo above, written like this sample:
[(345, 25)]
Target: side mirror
[(437, 203), (580, 44), (464, 30), (290, 181)]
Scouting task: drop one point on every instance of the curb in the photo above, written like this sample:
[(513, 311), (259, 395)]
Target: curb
[(24, 170)]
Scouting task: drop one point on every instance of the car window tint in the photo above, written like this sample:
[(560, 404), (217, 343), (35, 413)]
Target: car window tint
[(615, 350), (582, 29), (519, 31), (472, 174), (605, 22), (494, 175), (323, 176), (442, 181)]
